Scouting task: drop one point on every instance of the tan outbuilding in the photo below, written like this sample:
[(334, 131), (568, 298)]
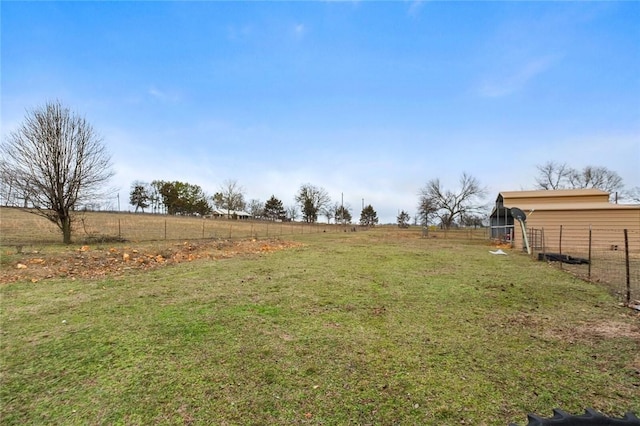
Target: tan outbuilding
[(562, 220)]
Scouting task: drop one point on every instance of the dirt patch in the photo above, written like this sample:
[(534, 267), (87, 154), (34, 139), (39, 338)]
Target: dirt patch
[(93, 261), (584, 331), (608, 330), (597, 330)]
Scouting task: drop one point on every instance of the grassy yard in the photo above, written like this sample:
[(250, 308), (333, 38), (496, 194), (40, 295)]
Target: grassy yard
[(351, 328)]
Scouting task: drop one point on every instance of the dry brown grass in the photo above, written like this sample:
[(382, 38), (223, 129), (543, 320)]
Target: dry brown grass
[(20, 227)]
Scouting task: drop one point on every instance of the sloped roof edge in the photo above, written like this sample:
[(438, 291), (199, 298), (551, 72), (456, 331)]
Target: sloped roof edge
[(574, 206), (547, 193)]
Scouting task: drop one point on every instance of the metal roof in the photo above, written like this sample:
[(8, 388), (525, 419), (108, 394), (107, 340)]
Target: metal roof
[(558, 200), (230, 212), (553, 193), (574, 206)]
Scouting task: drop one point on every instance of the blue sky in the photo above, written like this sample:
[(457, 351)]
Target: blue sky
[(366, 99)]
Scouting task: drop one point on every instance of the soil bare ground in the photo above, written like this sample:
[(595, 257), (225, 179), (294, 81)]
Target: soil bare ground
[(100, 261)]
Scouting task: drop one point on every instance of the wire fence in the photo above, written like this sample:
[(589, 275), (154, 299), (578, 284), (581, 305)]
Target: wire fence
[(20, 228), (456, 233), (175, 229), (607, 256)]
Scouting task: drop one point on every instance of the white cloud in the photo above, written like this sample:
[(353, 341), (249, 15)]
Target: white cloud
[(164, 96), (299, 30), (415, 7), (236, 33), (516, 79)]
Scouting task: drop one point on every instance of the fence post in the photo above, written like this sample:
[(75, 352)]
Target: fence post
[(119, 229), (165, 229), (560, 246), (544, 251), (230, 231), (203, 228), (589, 273), (626, 260), (267, 230)]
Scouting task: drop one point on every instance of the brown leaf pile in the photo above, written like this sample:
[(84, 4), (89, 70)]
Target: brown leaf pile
[(94, 262)]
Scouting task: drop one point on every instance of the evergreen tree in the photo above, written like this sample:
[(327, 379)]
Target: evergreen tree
[(274, 210), (368, 216), (403, 219), (343, 213)]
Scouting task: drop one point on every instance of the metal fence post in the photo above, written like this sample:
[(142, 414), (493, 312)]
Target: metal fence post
[(626, 259), (589, 273), (560, 246)]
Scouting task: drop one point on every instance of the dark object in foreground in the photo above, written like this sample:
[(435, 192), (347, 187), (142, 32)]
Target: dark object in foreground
[(589, 418), (557, 257)]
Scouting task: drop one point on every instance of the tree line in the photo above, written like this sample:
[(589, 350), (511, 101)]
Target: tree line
[(183, 198), (55, 163)]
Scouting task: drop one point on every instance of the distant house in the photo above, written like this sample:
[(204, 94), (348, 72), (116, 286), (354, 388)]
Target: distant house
[(230, 214), (574, 211)]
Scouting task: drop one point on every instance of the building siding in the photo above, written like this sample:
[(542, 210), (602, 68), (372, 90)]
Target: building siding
[(576, 211), (607, 229)]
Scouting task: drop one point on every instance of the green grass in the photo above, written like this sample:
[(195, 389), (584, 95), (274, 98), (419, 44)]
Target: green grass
[(361, 328)]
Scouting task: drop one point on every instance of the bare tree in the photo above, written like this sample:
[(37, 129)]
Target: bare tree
[(595, 177), (632, 195), (256, 208), (552, 175), (329, 211), (448, 205), (292, 213), (230, 196), (8, 193), (57, 158), (426, 208)]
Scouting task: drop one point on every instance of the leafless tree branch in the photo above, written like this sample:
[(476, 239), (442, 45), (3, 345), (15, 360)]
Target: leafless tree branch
[(56, 161)]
